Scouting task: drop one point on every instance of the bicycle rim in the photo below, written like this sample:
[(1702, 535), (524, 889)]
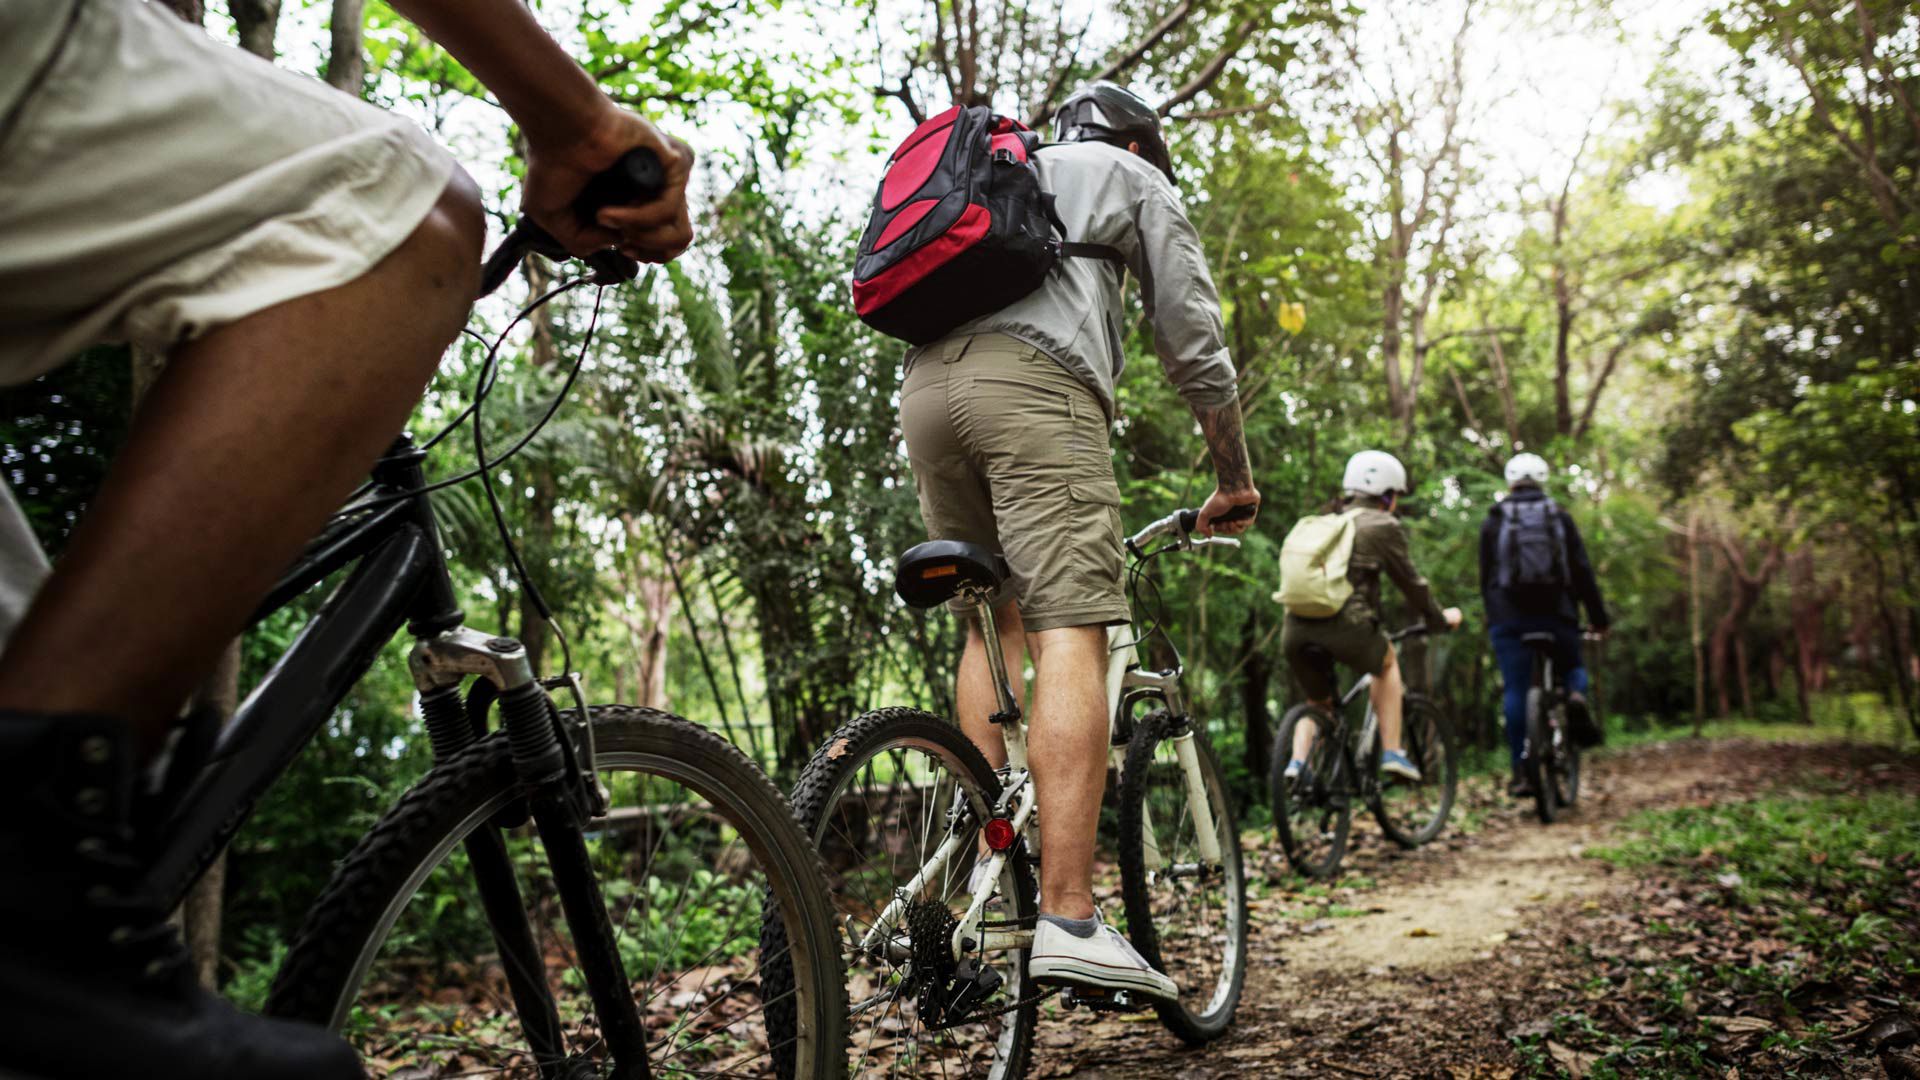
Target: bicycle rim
[(1188, 917), (876, 799), (399, 959), (1312, 813), (1413, 812)]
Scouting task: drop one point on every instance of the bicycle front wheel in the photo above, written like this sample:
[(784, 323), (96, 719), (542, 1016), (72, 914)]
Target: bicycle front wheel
[(402, 956), (1412, 812), (1186, 912), (1313, 811)]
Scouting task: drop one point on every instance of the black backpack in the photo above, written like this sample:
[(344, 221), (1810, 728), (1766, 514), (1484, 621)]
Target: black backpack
[(1532, 549), (960, 228)]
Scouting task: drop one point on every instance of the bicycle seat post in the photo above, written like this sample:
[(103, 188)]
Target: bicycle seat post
[(982, 602)]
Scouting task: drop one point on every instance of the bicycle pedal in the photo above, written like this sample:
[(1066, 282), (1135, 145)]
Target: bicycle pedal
[(1102, 1000)]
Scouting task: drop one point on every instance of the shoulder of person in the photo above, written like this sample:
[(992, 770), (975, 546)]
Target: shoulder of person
[(1102, 158)]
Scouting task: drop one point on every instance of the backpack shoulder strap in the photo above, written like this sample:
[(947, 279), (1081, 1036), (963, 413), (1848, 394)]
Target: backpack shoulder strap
[(1074, 249)]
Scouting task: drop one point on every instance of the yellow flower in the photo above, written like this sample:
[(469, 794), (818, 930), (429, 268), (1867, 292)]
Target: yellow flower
[(1293, 317)]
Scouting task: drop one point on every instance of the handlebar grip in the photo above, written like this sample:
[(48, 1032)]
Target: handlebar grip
[(638, 177), (1189, 519)]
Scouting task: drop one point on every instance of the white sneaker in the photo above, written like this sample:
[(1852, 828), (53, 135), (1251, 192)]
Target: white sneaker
[(1106, 961)]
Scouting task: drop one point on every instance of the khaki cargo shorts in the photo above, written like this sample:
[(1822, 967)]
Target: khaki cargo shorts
[(1009, 451), (1353, 637), (156, 183)]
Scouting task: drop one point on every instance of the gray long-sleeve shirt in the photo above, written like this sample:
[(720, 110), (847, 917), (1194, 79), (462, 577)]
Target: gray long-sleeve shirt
[(1106, 195)]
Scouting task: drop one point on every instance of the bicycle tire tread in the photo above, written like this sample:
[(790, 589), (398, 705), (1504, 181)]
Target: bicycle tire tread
[(1193, 1030), (341, 919)]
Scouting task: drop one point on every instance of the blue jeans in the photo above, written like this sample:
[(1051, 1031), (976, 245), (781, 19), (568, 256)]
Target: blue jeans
[(1516, 668)]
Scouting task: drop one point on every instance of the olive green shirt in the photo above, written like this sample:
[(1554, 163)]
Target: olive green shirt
[(1380, 547)]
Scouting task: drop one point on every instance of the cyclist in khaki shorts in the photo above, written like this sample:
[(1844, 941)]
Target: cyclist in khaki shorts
[(1006, 423), (303, 259)]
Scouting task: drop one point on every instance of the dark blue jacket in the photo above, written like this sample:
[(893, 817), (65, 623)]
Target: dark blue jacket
[(1504, 606)]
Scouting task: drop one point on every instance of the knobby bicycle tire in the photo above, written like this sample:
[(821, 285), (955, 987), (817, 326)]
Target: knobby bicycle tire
[(1539, 761), (329, 957), (1418, 712), (1203, 1013), (844, 754), (1325, 801)]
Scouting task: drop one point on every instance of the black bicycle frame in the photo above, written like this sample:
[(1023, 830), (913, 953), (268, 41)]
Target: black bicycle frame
[(401, 578)]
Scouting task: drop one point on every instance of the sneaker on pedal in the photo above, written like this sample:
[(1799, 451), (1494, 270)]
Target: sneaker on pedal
[(1101, 959), (93, 981), (1395, 763), (1295, 768)]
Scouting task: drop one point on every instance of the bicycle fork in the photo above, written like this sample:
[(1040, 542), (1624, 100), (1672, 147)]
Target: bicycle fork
[(440, 664), (1199, 808)]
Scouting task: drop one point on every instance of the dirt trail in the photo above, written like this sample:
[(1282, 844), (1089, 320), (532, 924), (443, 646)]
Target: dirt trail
[(1439, 951), (1486, 893)]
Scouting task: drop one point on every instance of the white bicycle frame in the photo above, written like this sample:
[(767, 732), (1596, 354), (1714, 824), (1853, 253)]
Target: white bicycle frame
[(1126, 682)]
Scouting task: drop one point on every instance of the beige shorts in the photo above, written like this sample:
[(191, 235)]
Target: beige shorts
[(156, 183), (1009, 451)]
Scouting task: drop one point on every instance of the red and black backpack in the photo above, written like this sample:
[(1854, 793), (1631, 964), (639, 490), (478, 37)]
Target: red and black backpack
[(960, 227)]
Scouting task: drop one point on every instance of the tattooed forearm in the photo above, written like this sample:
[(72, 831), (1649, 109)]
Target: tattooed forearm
[(1227, 444)]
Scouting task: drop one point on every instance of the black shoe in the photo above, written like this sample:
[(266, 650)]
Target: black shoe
[(1581, 725), (93, 981), (1520, 787)]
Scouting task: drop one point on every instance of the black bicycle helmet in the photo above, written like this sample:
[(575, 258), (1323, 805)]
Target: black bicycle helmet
[(1103, 112)]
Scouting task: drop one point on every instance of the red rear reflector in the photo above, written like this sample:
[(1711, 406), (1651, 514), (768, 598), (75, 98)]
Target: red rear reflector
[(939, 571), (1000, 834)]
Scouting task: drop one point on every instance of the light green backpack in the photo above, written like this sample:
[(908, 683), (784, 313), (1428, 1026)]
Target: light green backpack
[(1313, 565)]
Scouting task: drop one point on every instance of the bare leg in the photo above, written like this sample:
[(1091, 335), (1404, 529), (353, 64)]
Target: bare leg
[(974, 696), (1069, 761), (1387, 693), (248, 441), (1305, 730)]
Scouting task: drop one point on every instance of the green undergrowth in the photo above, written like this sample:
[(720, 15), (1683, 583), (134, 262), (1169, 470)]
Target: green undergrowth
[(1764, 932)]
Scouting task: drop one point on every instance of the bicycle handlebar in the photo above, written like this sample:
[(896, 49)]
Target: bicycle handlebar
[(637, 177), (1181, 523), (1417, 629), (1189, 519)]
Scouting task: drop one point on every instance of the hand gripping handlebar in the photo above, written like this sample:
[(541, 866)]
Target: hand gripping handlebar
[(637, 177)]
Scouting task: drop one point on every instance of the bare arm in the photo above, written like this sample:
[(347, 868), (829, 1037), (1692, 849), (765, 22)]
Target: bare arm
[(1227, 445), (573, 130)]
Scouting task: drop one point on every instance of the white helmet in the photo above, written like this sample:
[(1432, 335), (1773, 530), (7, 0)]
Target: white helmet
[(1374, 472), (1527, 469)]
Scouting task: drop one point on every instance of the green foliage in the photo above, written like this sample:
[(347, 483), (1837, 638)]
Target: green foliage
[(1829, 864)]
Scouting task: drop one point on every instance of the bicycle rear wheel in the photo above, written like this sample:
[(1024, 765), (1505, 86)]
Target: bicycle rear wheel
[(880, 797), (1314, 812), (1186, 915), (1413, 812), (1542, 751), (399, 958)]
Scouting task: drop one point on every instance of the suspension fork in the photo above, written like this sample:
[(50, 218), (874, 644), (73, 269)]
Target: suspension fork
[(439, 663), (1199, 801)]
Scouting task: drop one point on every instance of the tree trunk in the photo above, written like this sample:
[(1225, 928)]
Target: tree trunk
[(1745, 586), (1693, 616), (255, 21), (1807, 607), (346, 59), (1255, 683)]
